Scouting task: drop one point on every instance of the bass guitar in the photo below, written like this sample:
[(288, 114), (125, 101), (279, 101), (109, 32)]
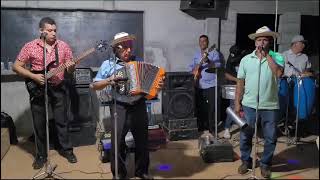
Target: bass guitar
[(36, 90)]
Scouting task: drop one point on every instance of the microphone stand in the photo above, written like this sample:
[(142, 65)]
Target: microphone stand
[(115, 116), (49, 168), (253, 175)]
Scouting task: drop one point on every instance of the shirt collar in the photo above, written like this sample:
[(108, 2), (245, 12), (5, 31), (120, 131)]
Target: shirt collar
[(40, 42), (291, 52), (253, 55)]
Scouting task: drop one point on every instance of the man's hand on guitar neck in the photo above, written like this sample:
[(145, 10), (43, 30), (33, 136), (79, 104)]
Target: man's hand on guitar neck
[(71, 66)]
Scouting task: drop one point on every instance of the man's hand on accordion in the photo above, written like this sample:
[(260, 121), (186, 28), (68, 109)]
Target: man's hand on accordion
[(161, 83)]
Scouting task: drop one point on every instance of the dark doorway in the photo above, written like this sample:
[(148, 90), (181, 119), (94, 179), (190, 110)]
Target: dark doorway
[(310, 32), (249, 23)]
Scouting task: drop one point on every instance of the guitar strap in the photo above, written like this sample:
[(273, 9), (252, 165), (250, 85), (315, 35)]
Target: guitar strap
[(56, 54)]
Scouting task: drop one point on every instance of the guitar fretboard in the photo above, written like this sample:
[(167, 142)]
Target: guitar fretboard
[(63, 66)]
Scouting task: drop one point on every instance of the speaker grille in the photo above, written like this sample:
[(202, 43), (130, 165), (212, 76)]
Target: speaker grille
[(181, 105)]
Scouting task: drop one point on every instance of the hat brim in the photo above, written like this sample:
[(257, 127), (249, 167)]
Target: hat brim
[(253, 36), (123, 39), (303, 41)]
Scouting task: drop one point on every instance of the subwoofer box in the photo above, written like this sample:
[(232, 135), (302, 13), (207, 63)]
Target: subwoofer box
[(181, 134), (187, 123)]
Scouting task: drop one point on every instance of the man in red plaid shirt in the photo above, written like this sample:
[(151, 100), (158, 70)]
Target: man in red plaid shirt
[(57, 53)]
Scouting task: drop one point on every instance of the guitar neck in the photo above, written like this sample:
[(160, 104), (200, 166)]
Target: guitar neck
[(63, 66)]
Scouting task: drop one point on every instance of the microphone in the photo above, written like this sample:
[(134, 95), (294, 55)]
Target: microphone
[(43, 35)]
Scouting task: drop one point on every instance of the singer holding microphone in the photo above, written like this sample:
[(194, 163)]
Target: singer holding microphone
[(247, 90), (57, 52)]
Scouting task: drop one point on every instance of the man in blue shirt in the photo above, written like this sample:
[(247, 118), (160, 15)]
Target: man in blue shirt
[(131, 110), (205, 84)]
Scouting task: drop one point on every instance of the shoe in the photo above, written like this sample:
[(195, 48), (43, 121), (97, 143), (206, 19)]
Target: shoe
[(69, 156), (120, 177), (226, 134), (144, 176), (244, 168), (265, 172), (39, 162)]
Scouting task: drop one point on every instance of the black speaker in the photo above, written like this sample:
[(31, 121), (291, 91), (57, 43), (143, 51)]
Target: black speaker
[(82, 116), (178, 104), (216, 152), (178, 81), (201, 9)]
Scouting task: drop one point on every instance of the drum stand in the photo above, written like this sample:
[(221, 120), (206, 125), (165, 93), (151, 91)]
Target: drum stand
[(295, 139), (49, 168)]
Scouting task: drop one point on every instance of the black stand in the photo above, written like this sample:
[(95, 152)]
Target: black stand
[(115, 115), (49, 174), (255, 141), (299, 82)]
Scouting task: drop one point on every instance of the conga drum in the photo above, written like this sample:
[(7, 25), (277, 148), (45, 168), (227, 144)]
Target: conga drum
[(306, 94), (283, 95)]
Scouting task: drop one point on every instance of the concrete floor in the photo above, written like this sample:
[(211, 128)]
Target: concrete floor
[(177, 160)]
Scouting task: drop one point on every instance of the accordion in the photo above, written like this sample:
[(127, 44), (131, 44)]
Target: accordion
[(143, 78)]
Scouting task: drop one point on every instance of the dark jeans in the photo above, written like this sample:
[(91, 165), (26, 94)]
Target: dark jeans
[(268, 123), (135, 119), (205, 107), (57, 101)]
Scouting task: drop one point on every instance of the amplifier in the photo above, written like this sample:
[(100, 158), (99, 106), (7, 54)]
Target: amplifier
[(181, 134), (216, 151), (181, 123), (82, 76)]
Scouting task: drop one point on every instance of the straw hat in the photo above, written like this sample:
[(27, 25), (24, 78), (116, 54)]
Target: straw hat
[(122, 37), (263, 31)]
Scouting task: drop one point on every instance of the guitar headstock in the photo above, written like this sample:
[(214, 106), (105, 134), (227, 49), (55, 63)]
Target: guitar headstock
[(212, 48), (102, 45)]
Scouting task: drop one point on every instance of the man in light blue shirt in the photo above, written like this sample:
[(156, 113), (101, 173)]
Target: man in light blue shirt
[(205, 84), (258, 75), (131, 111)]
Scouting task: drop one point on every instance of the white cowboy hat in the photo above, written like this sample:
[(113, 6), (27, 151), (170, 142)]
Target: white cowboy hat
[(122, 37), (263, 31)]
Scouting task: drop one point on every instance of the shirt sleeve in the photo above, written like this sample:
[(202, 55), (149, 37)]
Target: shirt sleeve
[(215, 58), (104, 71), (192, 64), (24, 55), (241, 70)]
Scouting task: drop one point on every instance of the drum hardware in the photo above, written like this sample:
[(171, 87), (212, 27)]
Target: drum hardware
[(228, 91)]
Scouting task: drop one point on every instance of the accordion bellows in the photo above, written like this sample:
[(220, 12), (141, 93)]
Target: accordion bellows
[(142, 78)]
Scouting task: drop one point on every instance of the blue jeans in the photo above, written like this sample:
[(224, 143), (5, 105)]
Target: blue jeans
[(229, 121), (268, 123)]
